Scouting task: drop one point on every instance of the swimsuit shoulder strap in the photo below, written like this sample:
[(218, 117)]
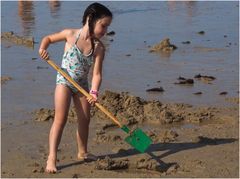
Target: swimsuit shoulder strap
[(78, 36)]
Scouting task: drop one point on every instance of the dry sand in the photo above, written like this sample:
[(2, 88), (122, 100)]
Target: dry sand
[(188, 142)]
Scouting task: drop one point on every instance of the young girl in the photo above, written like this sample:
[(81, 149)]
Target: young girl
[(83, 49)]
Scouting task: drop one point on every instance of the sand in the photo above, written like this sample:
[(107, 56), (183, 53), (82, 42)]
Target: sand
[(188, 141)]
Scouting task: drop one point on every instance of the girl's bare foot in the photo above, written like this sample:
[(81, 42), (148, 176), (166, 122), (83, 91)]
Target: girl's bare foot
[(51, 165), (88, 157)]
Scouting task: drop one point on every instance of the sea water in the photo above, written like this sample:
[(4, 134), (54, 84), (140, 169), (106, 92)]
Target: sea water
[(128, 65)]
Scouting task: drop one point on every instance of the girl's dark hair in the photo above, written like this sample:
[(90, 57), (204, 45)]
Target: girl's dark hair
[(94, 12)]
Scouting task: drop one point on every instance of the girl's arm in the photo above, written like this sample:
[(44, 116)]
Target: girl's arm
[(97, 71), (47, 40)]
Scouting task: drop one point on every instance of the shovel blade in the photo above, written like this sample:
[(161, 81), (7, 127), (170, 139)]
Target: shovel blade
[(139, 140)]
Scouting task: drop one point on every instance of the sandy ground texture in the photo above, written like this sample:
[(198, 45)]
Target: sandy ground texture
[(188, 141)]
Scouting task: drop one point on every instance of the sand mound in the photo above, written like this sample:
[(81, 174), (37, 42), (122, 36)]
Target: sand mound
[(132, 110)]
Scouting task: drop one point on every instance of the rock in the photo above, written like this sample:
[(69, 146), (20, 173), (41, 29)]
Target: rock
[(111, 33), (184, 81), (186, 42), (201, 32), (223, 93), (155, 90), (10, 36), (204, 77), (198, 93), (39, 67), (4, 79), (164, 46)]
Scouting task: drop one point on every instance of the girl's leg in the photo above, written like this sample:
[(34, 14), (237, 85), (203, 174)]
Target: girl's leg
[(83, 114), (62, 103)]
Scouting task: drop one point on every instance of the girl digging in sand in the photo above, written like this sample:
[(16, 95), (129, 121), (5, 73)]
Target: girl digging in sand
[(83, 49)]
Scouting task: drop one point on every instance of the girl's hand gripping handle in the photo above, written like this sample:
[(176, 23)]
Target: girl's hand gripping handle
[(43, 54)]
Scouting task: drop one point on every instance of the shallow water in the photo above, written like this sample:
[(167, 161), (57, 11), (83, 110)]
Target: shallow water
[(137, 25)]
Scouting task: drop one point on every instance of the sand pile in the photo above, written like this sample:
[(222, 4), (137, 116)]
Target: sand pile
[(132, 110)]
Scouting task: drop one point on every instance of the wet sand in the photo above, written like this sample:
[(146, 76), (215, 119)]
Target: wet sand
[(188, 141)]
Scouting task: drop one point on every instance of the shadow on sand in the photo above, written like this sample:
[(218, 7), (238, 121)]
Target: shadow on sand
[(171, 148)]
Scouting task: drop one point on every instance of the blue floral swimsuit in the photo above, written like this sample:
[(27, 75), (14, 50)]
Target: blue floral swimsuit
[(76, 65)]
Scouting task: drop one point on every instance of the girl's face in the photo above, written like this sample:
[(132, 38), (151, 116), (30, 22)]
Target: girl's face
[(101, 26)]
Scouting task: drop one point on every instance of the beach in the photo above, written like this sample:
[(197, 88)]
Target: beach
[(187, 141), (186, 99)]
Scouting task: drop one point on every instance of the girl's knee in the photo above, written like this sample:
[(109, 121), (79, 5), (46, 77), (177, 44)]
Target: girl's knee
[(59, 123)]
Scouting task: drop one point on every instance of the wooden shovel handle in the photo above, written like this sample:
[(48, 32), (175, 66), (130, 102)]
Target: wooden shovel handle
[(84, 92)]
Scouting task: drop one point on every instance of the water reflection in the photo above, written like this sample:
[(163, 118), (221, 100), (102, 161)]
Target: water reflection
[(189, 8), (54, 8), (27, 16), (165, 55)]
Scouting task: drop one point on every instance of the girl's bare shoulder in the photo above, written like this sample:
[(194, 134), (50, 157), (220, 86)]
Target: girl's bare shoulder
[(70, 35), (99, 46), (70, 32)]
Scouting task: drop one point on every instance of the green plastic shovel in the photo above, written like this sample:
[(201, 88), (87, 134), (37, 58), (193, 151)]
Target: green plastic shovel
[(137, 138)]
